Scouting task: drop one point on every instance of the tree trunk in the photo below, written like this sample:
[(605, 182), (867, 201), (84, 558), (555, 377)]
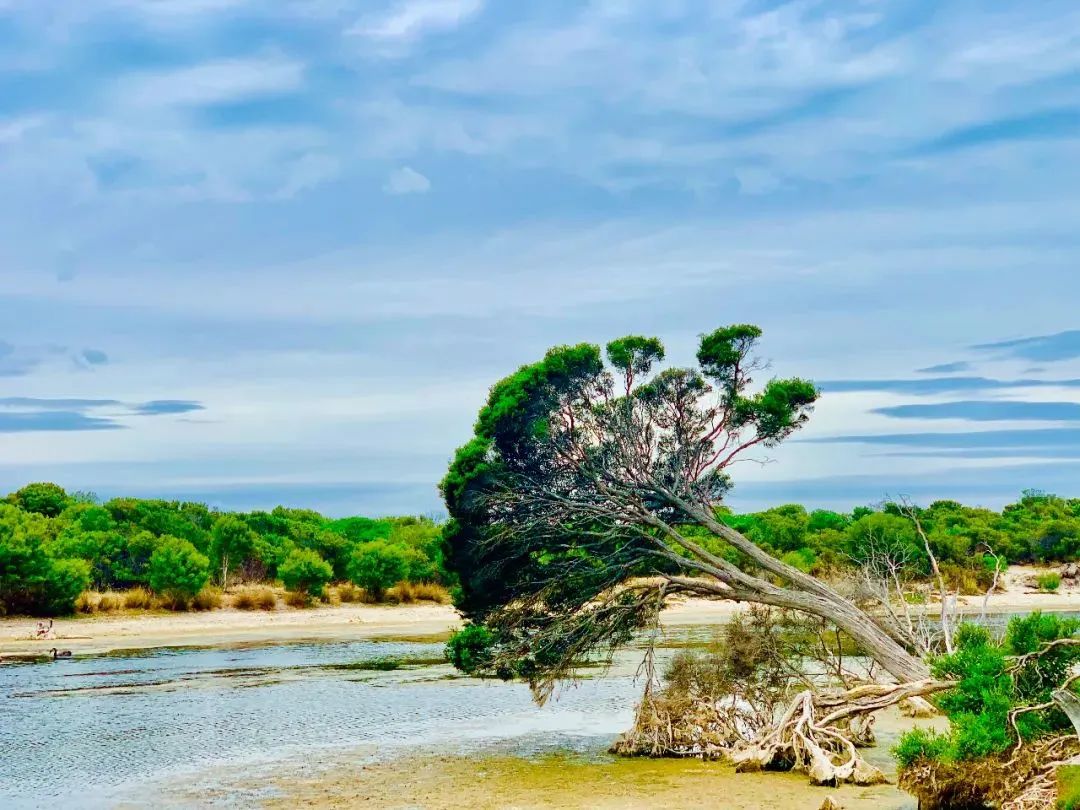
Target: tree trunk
[(810, 595), (874, 641)]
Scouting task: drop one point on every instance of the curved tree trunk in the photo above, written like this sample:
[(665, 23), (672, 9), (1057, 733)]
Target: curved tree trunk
[(806, 593)]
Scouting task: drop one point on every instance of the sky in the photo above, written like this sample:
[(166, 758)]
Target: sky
[(256, 253)]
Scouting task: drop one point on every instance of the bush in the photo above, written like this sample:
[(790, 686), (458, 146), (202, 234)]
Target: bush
[(377, 566), (804, 559), (255, 599), (1049, 581), (988, 688), (470, 648), (178, 572), (918, 744), (304, 571)]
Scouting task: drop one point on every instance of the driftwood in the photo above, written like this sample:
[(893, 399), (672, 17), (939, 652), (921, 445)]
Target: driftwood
[(818, 734)]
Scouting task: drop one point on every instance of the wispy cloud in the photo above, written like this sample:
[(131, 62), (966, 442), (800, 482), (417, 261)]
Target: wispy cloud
[(1042, 348), (985, 411), (1003, 440), (159, 407), (844, 173), (57, 403), (53, 421), (406, 180), (940, 385), (21, 360), (947, 368), (410, 20), (212, 82)]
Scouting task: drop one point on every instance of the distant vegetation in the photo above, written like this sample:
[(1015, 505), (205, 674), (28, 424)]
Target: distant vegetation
[(55, 545), (1039, 528)]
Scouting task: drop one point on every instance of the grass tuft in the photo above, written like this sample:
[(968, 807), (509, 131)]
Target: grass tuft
[(208, 598), (262, 598), (138, 599), (408, 593), (298, 599)]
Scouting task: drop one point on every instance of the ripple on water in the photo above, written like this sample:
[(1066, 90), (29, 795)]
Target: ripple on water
[(89, 730)]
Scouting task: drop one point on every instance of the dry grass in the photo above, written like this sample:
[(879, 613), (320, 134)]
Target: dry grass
[(93, 602), (298, 599), (407, 593), (138, 599), (257, 598), (348, 593), (209, 598)]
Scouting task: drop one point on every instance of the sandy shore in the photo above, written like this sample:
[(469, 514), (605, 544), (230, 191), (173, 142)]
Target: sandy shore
[(97, 634), (102, 633)]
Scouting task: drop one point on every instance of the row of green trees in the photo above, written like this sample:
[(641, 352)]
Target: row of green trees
[(1039, 528), (55, 544)]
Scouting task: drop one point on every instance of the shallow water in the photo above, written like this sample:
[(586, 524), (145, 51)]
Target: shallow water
[(97, 731), (197, 727)]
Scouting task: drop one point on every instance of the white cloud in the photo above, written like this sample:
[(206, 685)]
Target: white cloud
[(413, 19), (213, 82), (406, 180)]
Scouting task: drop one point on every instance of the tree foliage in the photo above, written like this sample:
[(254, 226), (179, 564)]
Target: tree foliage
[(378, 565), (575, 488), (304, 571), (178, 570)]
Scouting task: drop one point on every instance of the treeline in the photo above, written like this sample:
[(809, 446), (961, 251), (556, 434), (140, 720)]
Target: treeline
[(55, 545), (968, 542)]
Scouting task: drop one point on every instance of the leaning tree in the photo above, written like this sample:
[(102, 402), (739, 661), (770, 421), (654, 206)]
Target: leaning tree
[(588, 497)]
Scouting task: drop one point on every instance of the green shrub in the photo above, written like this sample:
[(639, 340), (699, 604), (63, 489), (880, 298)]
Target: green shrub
[(378, 565), (470, 648), (33, 581), (990, 684), (304, 571), (918, 744), (1049, 581), (178, 571), (804, 559)]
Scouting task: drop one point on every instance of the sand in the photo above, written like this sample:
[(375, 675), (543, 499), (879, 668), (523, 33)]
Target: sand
[(102, 633), (97, 634)]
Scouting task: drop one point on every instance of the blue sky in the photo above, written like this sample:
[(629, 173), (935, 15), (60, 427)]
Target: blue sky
[(264, 252)]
